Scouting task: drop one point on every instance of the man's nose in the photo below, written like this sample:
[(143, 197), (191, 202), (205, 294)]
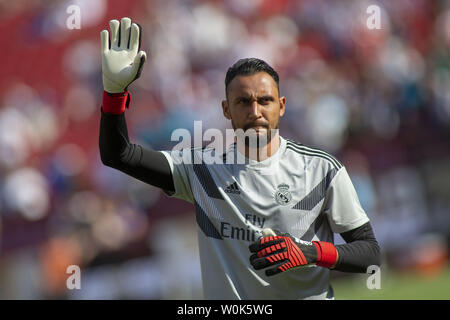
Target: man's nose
[(255, 109)]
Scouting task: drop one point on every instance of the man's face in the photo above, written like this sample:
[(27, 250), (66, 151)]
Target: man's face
[(253, 102)]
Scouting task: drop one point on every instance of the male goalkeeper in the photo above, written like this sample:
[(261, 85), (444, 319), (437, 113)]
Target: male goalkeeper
[(266, 219)]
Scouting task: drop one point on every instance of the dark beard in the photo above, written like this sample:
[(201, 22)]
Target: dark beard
[(260, 141)]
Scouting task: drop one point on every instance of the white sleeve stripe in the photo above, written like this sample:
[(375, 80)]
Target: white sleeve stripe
[(302, 147), (303, 152), (169, 159)]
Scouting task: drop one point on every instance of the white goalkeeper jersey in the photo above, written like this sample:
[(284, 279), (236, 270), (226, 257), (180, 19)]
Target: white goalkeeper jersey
[(300, 190)]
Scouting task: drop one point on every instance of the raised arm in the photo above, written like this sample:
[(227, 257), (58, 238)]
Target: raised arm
[(122, 63)]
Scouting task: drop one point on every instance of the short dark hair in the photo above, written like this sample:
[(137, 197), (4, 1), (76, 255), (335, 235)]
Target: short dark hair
[(248, 67)]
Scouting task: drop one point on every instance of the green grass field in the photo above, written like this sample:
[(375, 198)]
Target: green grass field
[(395, 286)]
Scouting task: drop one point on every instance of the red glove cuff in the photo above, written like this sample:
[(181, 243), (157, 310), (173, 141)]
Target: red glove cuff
[(115, 103), (326, 254)]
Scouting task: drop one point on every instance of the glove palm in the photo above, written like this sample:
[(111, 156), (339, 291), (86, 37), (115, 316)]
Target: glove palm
[(122, 61)]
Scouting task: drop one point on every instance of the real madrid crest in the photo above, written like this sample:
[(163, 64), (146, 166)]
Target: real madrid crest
[(283, 196)]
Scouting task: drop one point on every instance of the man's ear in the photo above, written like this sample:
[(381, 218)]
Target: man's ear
[(226, 110), (282, 106)]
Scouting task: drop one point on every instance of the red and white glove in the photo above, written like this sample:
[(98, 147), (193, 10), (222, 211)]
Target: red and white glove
[(281, 252)]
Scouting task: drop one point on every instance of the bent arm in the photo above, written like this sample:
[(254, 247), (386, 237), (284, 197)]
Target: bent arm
[(360, 251), (116, 151)]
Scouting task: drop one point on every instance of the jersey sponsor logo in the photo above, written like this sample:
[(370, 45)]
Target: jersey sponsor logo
[(227, 230), (246, 233), (233, 188), (283, 196)]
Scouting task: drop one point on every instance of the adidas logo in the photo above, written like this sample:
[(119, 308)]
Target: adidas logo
[(233, 188)]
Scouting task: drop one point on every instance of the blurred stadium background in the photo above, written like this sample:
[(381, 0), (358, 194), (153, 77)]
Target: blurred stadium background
[(377, 99)]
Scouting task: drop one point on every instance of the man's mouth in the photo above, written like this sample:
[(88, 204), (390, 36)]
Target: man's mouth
[(256, 127)]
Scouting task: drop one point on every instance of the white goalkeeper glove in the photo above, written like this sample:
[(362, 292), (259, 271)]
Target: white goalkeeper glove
[(122, 61)]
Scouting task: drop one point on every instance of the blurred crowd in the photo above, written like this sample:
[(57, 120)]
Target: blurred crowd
[(378, 99)]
